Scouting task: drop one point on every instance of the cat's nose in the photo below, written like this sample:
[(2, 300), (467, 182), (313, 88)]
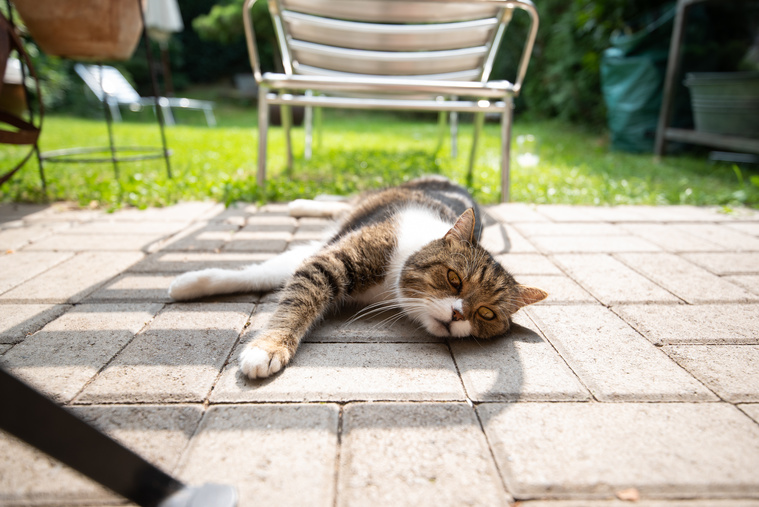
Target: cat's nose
[(457, 315)]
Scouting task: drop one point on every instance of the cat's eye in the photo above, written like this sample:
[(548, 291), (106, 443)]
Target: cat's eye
[(454, 279), (486, 313)]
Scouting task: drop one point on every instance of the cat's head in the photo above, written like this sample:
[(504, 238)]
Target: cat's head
[(454, 287)]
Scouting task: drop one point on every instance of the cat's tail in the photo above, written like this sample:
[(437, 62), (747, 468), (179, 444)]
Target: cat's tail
[(266, 276)]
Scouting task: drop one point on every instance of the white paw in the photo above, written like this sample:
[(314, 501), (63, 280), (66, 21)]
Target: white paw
[(257, 363), (188, 286)]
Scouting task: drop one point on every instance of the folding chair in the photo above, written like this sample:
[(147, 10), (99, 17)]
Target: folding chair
[(428, 55), (112, 86)]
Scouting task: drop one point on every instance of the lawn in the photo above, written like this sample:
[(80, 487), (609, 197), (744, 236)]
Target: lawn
[(358, 151)]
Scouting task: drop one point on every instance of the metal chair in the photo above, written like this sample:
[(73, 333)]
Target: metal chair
[(108, 84), (433, 55)]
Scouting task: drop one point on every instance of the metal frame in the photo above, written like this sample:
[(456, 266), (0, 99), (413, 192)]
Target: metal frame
[(666, 133), (310, 86)]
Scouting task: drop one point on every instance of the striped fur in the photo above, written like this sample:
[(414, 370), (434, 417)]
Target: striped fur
[(413, 248)]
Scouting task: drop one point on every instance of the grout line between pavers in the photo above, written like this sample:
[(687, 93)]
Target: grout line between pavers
[(338, 455)]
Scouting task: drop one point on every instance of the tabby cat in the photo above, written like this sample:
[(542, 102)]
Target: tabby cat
[(413, 248)]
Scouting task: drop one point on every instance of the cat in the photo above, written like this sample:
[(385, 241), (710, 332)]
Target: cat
[(414, 248)]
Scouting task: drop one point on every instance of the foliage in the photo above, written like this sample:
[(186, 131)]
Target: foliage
[(363, 151)]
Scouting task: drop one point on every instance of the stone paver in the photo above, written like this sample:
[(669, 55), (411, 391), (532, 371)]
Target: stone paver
[(74, 279), (675, 450), (64, 355), (611, 359), (611, 281), (175, 359), (731, 371), (19, 267), (273, 454), (351, 371), (19, 321), (727, 263), (702, 324), (159, 433), (636, 378), (416, 454), (522, 366), (684, 279)]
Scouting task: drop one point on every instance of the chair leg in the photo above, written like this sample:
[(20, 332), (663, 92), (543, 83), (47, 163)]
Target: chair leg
[(454, 131), (308, 121), (210, 118), (287, 121), (506, 121), (263, 127), (479, 119), (440, 130), (167, 114)]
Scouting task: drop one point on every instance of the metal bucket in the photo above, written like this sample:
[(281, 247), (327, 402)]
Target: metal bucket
[(725, 102)]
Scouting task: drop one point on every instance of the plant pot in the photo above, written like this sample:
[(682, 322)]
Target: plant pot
[(83, 29), (725, 102)]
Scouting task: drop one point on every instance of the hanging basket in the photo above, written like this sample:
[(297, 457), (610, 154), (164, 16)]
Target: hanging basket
[(83, 29)]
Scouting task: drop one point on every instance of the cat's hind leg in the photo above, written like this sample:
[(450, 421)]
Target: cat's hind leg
[(266, 276)]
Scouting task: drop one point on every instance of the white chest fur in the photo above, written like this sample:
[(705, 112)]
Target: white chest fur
[(415, 227)]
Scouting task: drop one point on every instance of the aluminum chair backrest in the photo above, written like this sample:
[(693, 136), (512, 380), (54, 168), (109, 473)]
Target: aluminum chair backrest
[(429, 40), (113, 82)]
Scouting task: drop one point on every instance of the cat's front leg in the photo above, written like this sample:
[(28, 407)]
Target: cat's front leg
[(267, 354)]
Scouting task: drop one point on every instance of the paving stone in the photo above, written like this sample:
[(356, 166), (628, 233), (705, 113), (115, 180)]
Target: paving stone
[(181, 262), (751, 409), (611, 359), (500, 238), (702, 324), (74, 279), (15, 238), (160, 434), (201, 237), (519, 366), (181, 212), (611, 281), (528, 264), (727, 263), (751, 228), (373, 327), (731, 371), (748, 282), (515, 212), (120, 227), (664, 450), (675, 213), (530, 229), (592, 244), (267, 241), (273, 454), (350, 372), (19, 267), (415, 454), (64, 355), (95, 242), (175, 359), (561, 289), (725, 236), (640, 503), (316, 224), (19, 321), (684, 279), (16, 211), (671, 238), (563, 213), (270, 223), (5, 347), (135, 287)]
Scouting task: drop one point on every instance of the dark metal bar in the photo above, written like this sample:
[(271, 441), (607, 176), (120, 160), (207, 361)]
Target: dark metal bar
[(154, 83), (29, 105), (109, 124), (32, 417)]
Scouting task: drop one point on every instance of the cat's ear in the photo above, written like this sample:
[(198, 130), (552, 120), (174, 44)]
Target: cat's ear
[(528, 295), (463, 229)]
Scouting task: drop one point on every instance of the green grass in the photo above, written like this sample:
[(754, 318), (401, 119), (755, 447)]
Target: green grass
[(358, 151)]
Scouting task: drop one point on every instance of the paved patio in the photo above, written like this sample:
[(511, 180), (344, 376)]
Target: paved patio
[(638, 377)]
